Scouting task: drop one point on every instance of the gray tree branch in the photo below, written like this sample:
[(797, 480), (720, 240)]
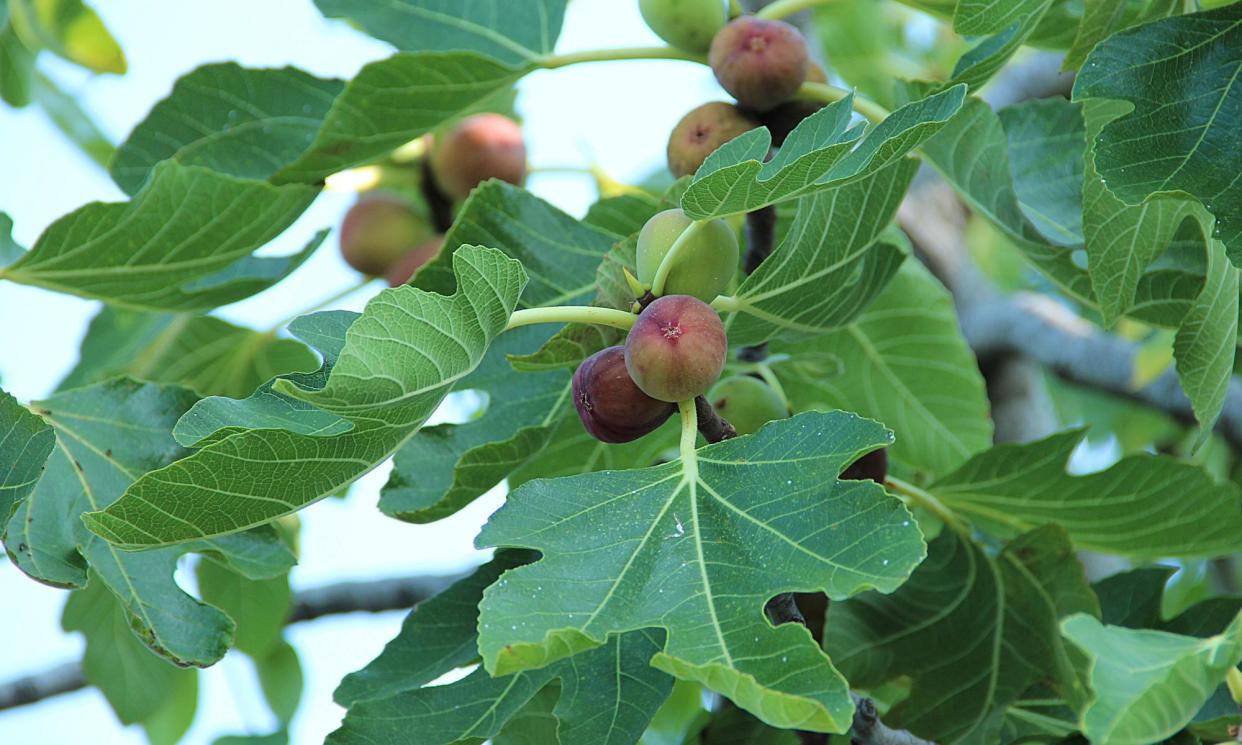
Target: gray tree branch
[(343, 597)]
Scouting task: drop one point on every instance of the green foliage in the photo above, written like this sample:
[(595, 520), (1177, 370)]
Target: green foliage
[(628, 599)]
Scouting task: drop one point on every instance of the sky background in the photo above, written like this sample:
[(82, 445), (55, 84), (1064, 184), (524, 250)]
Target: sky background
[(615, 114)]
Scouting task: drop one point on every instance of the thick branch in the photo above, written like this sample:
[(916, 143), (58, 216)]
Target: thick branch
[(343, 597), (712, 426)]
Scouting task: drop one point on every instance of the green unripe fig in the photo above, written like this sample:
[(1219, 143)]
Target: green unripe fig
[(760, 63), (404, 269), (611, 407), (378, 230), (478, 148), (703, 130), (676, 349), (686, 24), (747, 403), (704, 264)]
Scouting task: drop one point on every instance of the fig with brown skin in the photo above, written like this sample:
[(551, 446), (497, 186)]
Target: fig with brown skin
[(404, 269), (379, 230), (611, 407), (873, 466), (676, 349), (478, 148), (761, 63), (703, 130)]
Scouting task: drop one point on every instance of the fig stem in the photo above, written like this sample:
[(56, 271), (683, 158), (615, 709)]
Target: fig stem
[(785, 8), (666, 264), (333, 300), (554, 61), (618, 319), (927, 501), (689, 437), (831, 94)]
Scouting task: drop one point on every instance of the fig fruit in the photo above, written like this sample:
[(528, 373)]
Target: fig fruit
[(704, 264), (686, 24), (703, 130), (747, 403), (479, 147), (761, 63), (404, 268), (676, 349), (378, 230), (611, 407), (873, 465)]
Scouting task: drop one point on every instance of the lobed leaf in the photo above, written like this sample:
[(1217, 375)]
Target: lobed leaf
[(696, 547), (400, 358)]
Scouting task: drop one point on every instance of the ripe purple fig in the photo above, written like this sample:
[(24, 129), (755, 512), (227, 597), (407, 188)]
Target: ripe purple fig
[(378, 230), (676, 349), (703, 130), (404, 269), (479, 147), (873, 466), (611, 407), (760, 63)]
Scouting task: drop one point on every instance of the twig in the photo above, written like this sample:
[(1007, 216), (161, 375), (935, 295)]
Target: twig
[(344, 597), (712, 426)]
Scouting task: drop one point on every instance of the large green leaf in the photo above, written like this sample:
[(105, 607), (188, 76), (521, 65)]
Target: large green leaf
[(904, 363), (1206, 341), (512, 31), (237, 121), (696, 547), (606, 695), (182, 243), (136, 682), (831, 263), (16, 68), (972, 153), (1103, 18), (106, 436), (824, 151), (24, 448), (1148, 684), (1124, 510), (395, 100), (975, 17), (210, 356), (972, 631), (987, 57), (399, 360), (1181, 76)]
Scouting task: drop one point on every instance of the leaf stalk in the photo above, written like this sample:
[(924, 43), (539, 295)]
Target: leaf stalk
[(617, 319), (555, 61), (785, 8)]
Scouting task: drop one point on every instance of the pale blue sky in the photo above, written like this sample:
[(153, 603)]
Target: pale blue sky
[(618, 114)]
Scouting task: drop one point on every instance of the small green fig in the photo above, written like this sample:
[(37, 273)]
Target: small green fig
[(686, 24), (611, 407), (701, 131), (704, 264), (676, 349), (378, 230), (404, 269), (747, 403), (873, 466), (478, 148), (761, 63)]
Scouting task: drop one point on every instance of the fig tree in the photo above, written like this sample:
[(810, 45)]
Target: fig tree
[(611, 407), (761, 63), (479, 147), (676, 349), (686, 24), (747, 403), (873, 465), (403, 269), (378, 230), (702, 131), (704, 264)]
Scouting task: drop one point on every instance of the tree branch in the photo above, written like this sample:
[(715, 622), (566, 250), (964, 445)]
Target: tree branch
[(343, 597)]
